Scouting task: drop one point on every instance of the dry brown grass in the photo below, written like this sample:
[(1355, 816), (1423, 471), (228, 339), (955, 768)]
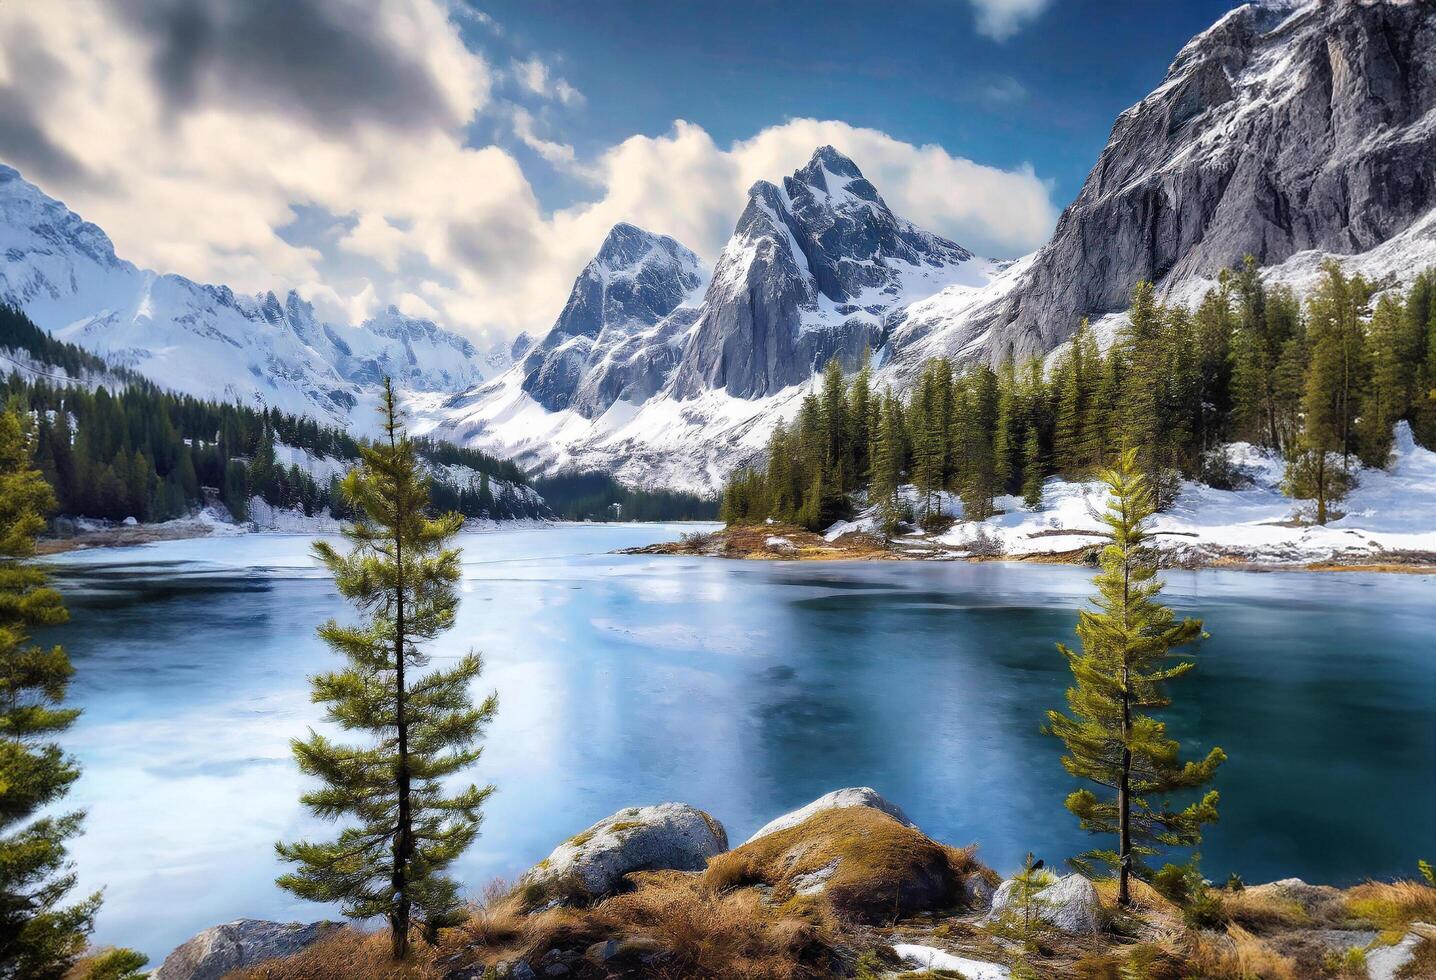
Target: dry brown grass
[(347, 954), (880, 870), (1392, 906), (1238, 955), (669, 926)]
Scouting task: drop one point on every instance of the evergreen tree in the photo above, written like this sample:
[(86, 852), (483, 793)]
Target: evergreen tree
[(423, 729), (1121, 675), (887, 466), (40, 937), (1032, 470)]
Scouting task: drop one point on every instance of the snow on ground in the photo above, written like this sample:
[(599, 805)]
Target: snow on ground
[(930, 958), (1390, 510)]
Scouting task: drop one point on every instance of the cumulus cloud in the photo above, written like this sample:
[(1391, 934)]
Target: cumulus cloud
[(1000, 19), (164, 123)]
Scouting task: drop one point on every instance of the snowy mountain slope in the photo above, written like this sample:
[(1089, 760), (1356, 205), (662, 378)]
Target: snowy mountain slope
[(813, 270), (207, 340), (614, 338), (663, 388), (1290, 127)]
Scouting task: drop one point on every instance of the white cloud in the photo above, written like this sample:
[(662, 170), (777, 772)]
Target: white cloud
[(1000, 19), (535, 76), (207, 187), (558, 154)]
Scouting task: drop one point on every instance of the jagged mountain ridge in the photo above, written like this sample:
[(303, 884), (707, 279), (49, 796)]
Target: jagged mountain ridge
[(208, 340), (1288, 127), (1290, 130), (607, 342)]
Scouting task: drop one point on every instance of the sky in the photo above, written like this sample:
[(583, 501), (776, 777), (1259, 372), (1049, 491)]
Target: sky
[(463, 159)]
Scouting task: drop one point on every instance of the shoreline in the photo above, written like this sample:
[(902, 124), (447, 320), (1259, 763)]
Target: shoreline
[(781, 542)]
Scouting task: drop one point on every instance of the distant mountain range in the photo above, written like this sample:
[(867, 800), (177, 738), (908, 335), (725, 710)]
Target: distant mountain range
[(1288, 130)]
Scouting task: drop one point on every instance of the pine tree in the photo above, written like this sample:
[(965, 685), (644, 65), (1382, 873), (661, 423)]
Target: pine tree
[(1121, 674), (400, 574), (1333, 378), (40, 937), (1032, 469), (1387, 393), (887, 466)]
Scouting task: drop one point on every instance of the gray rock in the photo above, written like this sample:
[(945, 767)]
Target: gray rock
[(217, 950), (1069, 903), (603, 346), (976, 892), (591, 864), (1273, 133), (837, 799), (809, 274)]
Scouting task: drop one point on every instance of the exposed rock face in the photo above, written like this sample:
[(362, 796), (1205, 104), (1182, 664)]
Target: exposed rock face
[(218, 950), (836, 800), (1286, 126), (599, 348), (591, 864), (810, 273), (1069, 903)]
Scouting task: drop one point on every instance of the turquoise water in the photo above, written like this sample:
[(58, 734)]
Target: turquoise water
[(746, 688)]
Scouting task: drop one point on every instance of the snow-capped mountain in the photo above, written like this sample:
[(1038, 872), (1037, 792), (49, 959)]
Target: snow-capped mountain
[(649, 374), (812, 271), (1289, 130), (207, 340), (613, 339)]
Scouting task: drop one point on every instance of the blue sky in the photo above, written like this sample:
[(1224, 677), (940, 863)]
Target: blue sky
[(462, 160), (919, 71)]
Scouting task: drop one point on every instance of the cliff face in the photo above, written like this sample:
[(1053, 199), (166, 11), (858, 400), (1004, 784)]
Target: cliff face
[(1284, 127), (812, 271)]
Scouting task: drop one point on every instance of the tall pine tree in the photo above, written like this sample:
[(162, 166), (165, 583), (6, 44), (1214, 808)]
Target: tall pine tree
[(423, 728), (1121, 675), (40, 937)]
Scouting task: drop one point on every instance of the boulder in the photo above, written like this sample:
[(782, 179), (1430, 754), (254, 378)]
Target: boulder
[(837, 799), (218, 950), (592, 864), (1069, 903), (861, 861)]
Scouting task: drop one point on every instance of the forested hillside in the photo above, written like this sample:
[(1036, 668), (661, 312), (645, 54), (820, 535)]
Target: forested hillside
[(115, 446), (1322, 382), (599, 497)]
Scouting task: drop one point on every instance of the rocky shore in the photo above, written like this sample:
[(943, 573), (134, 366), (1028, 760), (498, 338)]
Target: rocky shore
[(846, 886), (787, 542)]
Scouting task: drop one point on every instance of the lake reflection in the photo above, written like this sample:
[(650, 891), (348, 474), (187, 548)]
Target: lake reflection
[(746, 688)]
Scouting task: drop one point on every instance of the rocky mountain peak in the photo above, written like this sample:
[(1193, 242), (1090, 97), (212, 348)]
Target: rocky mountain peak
[(635, 280), (811, 273), (1283, 128)]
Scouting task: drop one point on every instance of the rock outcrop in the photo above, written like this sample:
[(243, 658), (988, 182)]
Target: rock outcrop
[(811, 272), (836, 800), (1288, 125), (592, 864), (862, 861), (244, 942), (1069, 903)]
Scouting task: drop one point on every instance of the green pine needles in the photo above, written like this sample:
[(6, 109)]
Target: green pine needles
[(39, 936), (1121, 675), (404, 829)]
